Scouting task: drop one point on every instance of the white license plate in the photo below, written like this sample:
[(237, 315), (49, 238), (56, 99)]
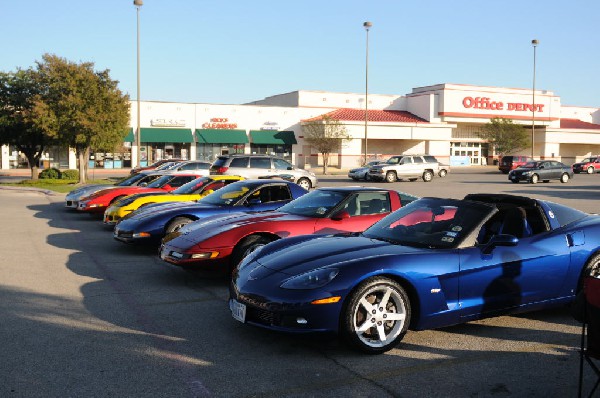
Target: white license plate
[(238, 310), (176, 254)]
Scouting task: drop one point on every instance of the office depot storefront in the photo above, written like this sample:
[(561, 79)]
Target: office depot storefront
[(441, 120)]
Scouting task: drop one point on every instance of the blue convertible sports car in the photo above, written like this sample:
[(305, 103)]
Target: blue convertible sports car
[(433, 263), (151, 223)]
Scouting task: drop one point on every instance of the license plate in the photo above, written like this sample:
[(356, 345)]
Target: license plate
[(238, 310), (176, 254)]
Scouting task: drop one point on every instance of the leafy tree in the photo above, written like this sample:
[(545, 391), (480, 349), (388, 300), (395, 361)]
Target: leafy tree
[(325, 135), (81, 108), (505, 136), (19, 97)]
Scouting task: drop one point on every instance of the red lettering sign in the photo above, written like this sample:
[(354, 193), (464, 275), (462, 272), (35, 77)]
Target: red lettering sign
[(486, 103)]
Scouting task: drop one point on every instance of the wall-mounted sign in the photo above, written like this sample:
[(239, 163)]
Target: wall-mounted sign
[(219, 123), (167, 122), (270, 126), (487, 103)]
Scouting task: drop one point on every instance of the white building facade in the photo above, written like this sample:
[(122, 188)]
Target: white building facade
[(441, 120)]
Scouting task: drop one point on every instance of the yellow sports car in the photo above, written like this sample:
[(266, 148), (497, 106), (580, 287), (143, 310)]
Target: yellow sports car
[(193, 190)]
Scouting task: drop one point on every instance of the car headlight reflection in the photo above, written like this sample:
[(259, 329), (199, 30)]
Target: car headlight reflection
[(311, 280)]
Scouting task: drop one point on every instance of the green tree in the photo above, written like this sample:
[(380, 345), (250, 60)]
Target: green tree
[(20, 93), (505, 136), (325, 135), (81, 108)]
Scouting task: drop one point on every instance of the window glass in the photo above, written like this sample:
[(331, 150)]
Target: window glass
[(281, 164), (418, 159), (260, 163), (239, 162)]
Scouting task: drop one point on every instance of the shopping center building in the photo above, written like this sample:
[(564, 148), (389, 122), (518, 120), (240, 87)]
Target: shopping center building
[(441, 120)]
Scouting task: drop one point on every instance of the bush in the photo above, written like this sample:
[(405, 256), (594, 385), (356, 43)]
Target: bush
[(70, 174), (49, 174)]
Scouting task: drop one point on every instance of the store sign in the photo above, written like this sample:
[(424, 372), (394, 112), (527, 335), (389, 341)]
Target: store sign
[(270, 126), (487, 104), (219, 123), (167, 122)]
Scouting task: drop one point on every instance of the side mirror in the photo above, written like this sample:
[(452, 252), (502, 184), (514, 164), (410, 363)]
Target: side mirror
[(290, 168), (144, 184), (340, 215), (500, 240), (253, 201)]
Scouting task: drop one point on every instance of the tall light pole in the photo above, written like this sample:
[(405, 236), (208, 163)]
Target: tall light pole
[(367, 25), (138, 139), (534, 43)]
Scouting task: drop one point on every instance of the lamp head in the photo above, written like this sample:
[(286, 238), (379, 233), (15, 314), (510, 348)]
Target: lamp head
[(534, 42), (367, 25), (138, 3)]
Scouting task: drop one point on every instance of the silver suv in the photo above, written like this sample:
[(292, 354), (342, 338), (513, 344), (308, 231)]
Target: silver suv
[(410, 167), (262, 166)]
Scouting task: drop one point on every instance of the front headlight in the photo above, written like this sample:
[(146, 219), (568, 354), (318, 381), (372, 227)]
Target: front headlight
[(311, 280)]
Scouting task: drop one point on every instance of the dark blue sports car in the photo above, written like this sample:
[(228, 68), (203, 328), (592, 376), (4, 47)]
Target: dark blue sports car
[(150, 223), (433, 263)]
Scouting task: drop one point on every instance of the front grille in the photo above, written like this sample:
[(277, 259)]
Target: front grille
[(124, 234), (261, 316)]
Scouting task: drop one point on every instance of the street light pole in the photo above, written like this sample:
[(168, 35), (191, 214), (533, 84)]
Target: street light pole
[(367, 25), (534, 43), (138, 140)]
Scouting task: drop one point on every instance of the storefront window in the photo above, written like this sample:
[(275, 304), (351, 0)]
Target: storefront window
[(283, 151), (209, 152)]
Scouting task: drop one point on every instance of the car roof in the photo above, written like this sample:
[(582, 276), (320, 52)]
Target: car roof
[(354, 188)]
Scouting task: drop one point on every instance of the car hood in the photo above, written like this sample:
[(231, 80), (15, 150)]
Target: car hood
[(168, 208), (330, 251)]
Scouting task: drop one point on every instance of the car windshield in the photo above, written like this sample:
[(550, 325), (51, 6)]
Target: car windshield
[(131, 180), (227, 195), (161, 181), (531, 165), (191, 186), (588, 160), (318, 203), (430, 223)]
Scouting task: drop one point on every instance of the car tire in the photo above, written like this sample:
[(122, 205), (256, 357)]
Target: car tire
[(427, 176), (590, 170), (391, 176), (564, 178), (375, 329), (304, 183), (247, 246), (442, 173), (177, 224), (534, 179)]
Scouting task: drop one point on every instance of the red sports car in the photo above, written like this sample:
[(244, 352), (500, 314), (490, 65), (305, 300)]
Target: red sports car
[(224, 241), (100, 200)]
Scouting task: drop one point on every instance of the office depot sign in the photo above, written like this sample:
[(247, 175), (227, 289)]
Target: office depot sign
[(488, 104)]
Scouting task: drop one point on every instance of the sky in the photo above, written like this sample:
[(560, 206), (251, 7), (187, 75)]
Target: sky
[(237, 51)]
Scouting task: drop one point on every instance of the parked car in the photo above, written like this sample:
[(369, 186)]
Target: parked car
[(588, 165), (143, 178), (541, 170), (193, 190), (154, 165), (409, 167), (260, 166), (434, 263), (99, 201), (362, 173), (222, 242), (511, 162), (201, 167), (149, 224)]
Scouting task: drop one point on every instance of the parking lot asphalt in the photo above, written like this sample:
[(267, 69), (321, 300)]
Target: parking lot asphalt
[(84, 315)]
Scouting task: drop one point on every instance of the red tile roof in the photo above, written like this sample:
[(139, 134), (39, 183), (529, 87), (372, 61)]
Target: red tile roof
[(373, 116), (578, 124)]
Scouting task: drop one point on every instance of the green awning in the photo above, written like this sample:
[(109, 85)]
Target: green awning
[(221, 136), (130, 136), (151, 134), (273, 137)]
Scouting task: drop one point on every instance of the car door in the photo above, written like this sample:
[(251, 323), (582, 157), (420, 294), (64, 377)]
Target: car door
[(512, 276), (260, 167), (364, 209)]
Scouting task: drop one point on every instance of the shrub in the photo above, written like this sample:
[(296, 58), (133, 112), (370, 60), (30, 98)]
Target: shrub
[(70, 174), (49, 174)]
